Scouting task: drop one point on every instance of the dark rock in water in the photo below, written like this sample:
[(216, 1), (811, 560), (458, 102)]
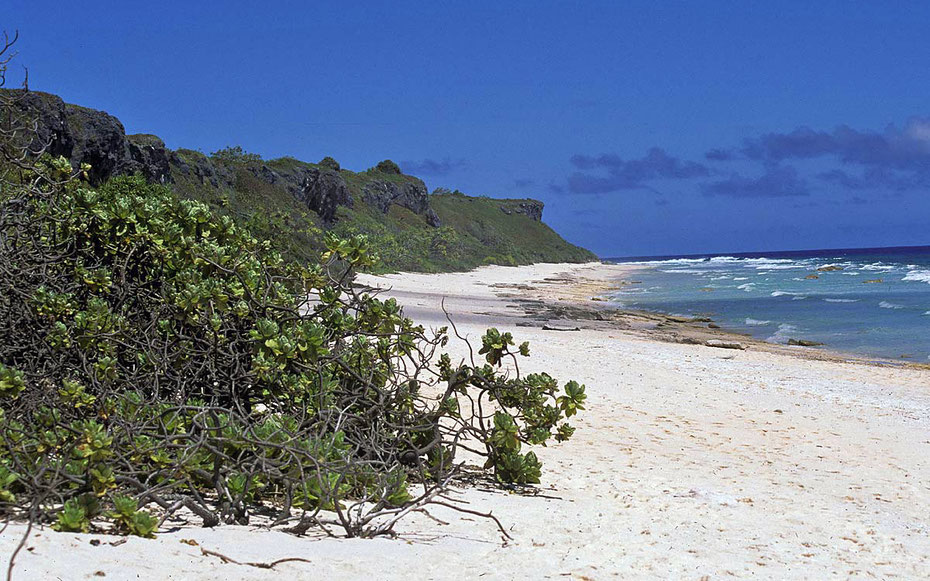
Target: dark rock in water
[(411, 195), (872, 280), (713, 326), (804, 343), (811, 277), (829, 268)]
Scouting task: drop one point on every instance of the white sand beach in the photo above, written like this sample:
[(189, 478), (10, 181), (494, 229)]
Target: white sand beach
[(690, 462)]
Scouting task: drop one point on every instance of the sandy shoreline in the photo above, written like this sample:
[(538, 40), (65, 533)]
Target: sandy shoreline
[(691, 462), (578, 295)]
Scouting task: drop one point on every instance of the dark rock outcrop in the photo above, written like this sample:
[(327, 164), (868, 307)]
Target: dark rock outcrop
[(531, 208), (804, 343), (411, 195), (97, 138), (153, 157), (201, 168), (323, 190), (89, 136)]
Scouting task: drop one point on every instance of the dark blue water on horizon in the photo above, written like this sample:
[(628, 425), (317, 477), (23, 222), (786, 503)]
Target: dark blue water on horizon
[(869, 301)]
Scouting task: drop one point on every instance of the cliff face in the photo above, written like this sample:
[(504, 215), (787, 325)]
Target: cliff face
[(411, 195), (88, 136), (528, 207), (291, 201)]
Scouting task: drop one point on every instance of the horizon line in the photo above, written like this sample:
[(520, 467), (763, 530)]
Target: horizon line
[(755, 253)]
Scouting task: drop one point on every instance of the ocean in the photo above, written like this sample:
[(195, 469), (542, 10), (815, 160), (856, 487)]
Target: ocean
[(867, 301)]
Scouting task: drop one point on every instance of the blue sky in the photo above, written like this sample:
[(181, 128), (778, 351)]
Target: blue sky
[(647, 127)]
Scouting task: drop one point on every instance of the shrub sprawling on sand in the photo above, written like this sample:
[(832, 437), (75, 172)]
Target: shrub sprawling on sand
[(155, 355)]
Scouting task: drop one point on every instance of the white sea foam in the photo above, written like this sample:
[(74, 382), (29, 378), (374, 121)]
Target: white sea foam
[(842, 300), (779, 266), (878, 266), (751, 262), (720, 277), (756, 322), (740, 278), (918, 275), (671, 261), (780, 293), (747, 287), (783, 333), (887, 305), (851, 273)]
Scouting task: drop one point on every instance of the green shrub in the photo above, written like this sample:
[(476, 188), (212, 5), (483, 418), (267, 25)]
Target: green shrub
[(234, 154), (329, 163), (389, 167), (158, 356), (164, 352)]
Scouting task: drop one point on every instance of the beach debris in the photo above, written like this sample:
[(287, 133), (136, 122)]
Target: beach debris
[(872, 280), (271, 565), (804, 343), (829, 268), (721, 344), (550, 327)]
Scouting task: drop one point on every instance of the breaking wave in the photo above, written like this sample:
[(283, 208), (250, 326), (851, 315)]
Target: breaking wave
[(918, 276)]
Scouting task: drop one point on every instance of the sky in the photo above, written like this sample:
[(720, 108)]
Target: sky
[(647, 128)]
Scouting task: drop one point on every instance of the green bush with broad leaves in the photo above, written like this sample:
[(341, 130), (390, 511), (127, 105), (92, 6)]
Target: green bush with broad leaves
[(157, 357)]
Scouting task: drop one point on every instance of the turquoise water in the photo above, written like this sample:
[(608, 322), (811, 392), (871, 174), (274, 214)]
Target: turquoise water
[(770, 296)]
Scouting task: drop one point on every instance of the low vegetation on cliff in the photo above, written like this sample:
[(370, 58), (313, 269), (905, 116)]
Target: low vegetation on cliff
[(293, 202), (159, 356)]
